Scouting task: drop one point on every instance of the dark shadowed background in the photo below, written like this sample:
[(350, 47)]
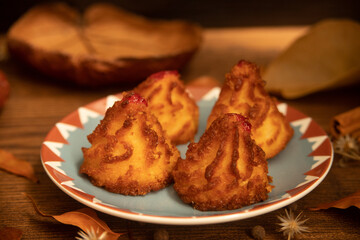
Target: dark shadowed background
[(212, 13)]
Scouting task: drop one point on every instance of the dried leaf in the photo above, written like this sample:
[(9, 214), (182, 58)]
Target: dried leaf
[(10, 233), (4, 84), (16, 166), (84, 218), (346, 202), (313, 62)]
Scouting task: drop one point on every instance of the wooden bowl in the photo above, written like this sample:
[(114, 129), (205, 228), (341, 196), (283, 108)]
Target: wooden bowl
[(103, 46)]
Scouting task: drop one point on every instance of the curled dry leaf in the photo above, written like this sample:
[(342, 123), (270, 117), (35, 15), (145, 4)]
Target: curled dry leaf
[(346, 202), (3, 49), (327, 56), (85, 218), (10, 233), (4, 89), (16, 166)]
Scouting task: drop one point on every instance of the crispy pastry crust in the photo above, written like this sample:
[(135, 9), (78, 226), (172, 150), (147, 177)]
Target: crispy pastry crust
[(171, 104), (243, 92), (224, 170), (130, 153)]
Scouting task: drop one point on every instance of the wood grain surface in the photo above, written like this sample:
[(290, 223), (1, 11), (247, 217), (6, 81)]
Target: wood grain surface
[(36, 103)]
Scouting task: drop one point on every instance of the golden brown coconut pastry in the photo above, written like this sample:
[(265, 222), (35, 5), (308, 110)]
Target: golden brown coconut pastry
[(130, 153), (225, 170), (171, 104), (243, 92)]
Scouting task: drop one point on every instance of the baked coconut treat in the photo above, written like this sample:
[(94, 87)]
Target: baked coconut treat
[(169, 101), (243, 92), (105, 45), (129, 153), (225, 170)]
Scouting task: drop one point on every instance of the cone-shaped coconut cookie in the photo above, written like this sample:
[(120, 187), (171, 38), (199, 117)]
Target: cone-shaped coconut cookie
[(225, 169), (171, 104), (243, 92), (130, 153)]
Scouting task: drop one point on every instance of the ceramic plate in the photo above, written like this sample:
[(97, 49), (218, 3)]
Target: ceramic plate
[(296, 171)]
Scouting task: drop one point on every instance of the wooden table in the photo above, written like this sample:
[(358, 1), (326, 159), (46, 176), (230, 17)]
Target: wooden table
[(37, 103)]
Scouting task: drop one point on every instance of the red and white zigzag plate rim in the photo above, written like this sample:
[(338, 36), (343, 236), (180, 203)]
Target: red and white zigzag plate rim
[(296, 171)]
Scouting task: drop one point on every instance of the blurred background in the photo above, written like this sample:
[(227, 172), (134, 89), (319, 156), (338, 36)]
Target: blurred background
[(213, 13)]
